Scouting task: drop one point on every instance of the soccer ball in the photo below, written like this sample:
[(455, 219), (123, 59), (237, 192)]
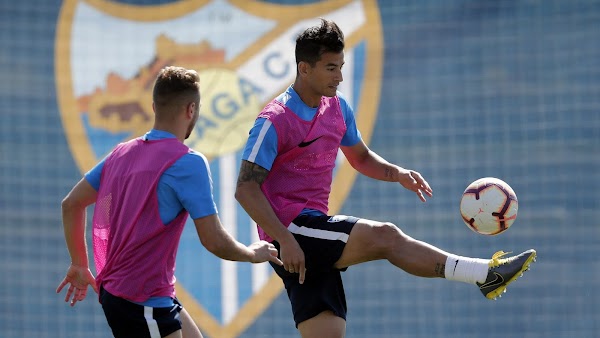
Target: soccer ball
[(489, 206)]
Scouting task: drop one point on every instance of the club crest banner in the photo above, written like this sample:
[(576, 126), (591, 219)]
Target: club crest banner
[(108, 54)]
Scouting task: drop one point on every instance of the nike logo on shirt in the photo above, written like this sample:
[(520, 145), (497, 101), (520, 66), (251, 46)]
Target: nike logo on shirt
[(306, 144)]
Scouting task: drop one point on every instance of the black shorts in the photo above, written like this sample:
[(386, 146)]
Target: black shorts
[(322, 238), (131, 320)]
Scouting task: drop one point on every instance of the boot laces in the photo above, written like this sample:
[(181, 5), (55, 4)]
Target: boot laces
[(497, 259)]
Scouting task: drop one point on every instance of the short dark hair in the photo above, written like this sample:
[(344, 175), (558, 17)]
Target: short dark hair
[(316, 40), (175, 86)]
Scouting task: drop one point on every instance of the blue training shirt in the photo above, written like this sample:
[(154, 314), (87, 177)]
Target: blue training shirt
[(174, 193), (186, 184), (261, 147)]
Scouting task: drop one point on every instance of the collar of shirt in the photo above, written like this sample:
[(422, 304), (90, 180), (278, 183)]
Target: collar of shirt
[(155, 134)]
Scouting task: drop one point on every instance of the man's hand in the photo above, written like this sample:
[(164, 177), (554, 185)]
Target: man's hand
[(293, 258), (264, 251), (79, 278), (413, 181)]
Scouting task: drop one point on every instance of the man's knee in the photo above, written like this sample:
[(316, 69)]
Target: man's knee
[(388, 235)]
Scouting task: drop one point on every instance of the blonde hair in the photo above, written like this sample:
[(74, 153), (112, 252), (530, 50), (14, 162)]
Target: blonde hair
[(175, 87)]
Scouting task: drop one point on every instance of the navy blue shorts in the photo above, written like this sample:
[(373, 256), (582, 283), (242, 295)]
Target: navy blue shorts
[(131, 320), (322, 238)]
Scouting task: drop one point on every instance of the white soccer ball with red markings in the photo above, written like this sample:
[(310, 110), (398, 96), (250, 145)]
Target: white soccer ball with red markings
[(489, 206)]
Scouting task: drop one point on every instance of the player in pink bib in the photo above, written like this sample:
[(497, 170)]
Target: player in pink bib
[(284, 185), (144, 191)]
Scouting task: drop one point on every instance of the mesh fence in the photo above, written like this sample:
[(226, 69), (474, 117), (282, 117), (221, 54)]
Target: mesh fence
[(509, 89)]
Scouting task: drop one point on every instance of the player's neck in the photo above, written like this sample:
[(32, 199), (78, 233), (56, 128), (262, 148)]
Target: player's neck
[(306, 95), (175, 130)]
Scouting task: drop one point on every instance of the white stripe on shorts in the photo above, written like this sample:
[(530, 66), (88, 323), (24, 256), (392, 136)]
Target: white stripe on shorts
[(318, 233), (152, 324)]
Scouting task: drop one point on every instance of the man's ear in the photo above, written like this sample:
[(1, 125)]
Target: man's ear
[(190, 109), (303, 67)]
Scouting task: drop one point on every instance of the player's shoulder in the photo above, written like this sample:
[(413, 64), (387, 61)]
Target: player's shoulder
[(289, 98), (342, 98), (277, 105), (272, 111), (189, 164), (194, 156), (284, 97), (345, 104)]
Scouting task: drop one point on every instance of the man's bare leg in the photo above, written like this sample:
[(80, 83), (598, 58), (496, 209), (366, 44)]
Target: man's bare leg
[(325, 324)]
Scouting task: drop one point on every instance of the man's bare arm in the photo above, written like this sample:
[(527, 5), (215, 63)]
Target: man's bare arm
[(252, 172), (253, 200)]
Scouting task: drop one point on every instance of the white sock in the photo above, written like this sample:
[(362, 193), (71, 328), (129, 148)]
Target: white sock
[(466, 269)]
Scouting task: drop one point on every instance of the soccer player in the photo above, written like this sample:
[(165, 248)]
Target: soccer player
[(284, 185), (144, 191)]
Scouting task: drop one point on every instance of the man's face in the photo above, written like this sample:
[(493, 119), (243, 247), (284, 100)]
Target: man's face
[(326, 75)]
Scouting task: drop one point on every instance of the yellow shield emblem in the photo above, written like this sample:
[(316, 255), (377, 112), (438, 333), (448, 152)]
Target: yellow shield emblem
[(107, 57)]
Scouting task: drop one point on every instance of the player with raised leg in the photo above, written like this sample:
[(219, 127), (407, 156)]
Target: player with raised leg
[(284, 184)]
